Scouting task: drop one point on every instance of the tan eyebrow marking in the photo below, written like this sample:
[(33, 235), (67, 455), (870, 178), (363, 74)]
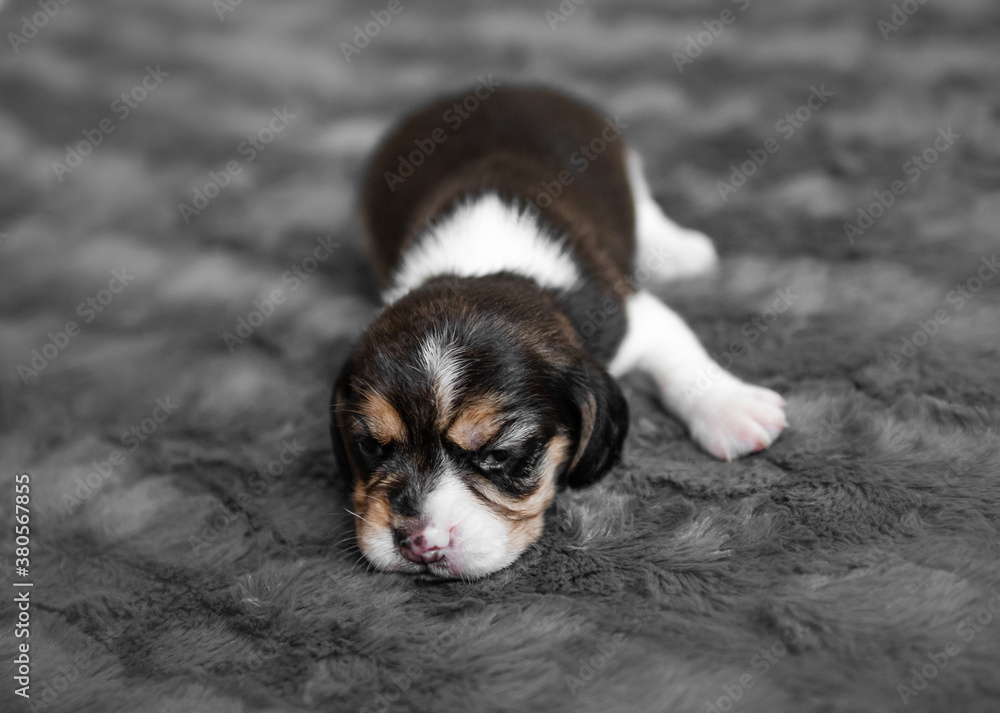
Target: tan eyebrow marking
[(382, 418), (476, 424)]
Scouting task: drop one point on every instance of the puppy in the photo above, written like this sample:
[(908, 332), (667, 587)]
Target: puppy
[(487, 382)]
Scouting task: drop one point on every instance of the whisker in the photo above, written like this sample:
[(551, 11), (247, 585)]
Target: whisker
[(358, 561), (342, 408), (357, 516)]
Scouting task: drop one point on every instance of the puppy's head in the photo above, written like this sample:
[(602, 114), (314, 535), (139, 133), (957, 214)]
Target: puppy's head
[(465, 406)]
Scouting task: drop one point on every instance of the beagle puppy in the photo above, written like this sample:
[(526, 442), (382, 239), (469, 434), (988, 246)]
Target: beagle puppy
[(505, 232)]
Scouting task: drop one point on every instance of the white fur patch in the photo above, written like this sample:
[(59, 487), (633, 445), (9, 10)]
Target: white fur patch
[(479, 540), (483, 237), (725, 416), (379, 546), (668, 250), (441, 360), (657, 341)]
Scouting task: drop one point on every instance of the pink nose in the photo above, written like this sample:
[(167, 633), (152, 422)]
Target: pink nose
[(423, 545)]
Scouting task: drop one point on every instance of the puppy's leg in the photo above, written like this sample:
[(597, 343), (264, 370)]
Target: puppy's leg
[(666, 249), (725, 416)]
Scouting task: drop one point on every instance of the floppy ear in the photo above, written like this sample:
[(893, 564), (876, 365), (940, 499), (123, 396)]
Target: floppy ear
[(602, 425)]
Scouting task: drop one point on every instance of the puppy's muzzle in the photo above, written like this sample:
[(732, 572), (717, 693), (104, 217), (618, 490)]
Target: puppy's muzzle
[(423, 543)]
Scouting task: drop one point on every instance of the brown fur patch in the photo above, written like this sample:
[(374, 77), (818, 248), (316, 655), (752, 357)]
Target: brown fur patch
[(476, 424), (382, 418), (374, 515)]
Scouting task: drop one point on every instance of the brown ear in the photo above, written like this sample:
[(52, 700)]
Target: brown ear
[(601, 426)]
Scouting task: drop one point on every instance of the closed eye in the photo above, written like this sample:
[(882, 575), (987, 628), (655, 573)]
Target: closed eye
[(492, 460), (373, 450)]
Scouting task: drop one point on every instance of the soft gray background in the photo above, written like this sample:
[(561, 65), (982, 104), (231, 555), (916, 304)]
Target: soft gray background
[(188, 578)]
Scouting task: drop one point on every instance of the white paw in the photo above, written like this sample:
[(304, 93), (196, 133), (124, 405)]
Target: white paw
[(696, 252), (733, 419), (685, 253)]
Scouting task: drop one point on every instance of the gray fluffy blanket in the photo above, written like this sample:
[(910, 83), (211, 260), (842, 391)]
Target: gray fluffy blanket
[(181, 275)]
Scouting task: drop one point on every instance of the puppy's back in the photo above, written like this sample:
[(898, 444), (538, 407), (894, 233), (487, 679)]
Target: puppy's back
[(530, 146)]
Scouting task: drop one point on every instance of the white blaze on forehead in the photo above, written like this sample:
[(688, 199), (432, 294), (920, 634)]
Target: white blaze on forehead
[(485, 236), (442, 362)]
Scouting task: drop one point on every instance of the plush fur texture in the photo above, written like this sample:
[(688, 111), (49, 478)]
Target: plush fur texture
[(208, 570)]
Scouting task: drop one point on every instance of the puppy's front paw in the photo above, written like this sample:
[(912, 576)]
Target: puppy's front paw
[(678, 253), (696, 253), (734, 419)]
